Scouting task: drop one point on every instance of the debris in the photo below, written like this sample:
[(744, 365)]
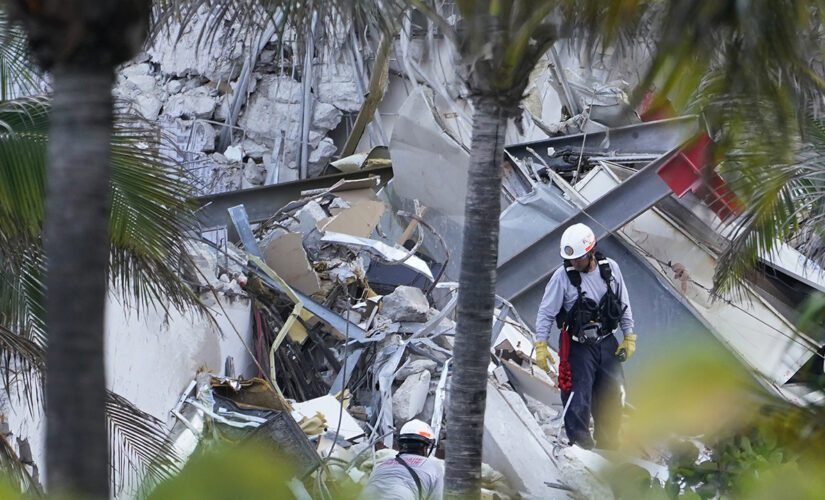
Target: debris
[(347, 339), (515, 445), (290, 440), (408, 400), (234, 153), (307, 218), (202, 268), (286, 256), (415, 366), (377, 156), (330, 408), (254, 393), (358, 220), (405, 304), (383, 277), (382, 250), (536, 384), (511, 340)]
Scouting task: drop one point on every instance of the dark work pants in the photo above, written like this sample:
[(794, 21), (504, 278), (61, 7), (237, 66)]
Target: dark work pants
[(597, 380)]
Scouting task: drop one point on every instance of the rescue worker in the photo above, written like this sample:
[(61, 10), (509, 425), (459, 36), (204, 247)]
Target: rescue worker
[(411, 475), (587, 299)]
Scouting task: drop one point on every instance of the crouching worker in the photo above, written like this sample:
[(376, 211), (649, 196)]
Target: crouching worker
[(410, 475)]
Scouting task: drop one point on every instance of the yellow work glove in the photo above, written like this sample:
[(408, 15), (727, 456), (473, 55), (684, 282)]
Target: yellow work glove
[(628, 345), (543, 355)]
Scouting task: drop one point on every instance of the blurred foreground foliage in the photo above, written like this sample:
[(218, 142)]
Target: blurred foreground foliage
[(224, 472), (229, 472), (753, 443)]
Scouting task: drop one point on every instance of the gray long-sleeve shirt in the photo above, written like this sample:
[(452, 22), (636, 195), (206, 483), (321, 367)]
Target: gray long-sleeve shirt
[(392, 481), (560, 291)]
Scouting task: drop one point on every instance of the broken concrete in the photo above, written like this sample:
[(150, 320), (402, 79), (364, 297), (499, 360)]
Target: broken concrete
[(181, 54), (307, 218), (515, 445), (415, 366), (405, 304), (189, 106), (202, 269), (408, 400)]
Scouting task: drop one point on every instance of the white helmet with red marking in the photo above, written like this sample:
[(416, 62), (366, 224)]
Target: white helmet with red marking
[(576, 241), (418, 431)]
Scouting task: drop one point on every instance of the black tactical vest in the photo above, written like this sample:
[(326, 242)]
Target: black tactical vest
[(586, 319)]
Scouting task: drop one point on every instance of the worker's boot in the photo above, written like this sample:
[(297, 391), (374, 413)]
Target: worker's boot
[(585, 442)]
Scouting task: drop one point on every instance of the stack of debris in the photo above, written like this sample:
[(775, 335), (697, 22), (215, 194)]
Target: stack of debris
[(354, 337)]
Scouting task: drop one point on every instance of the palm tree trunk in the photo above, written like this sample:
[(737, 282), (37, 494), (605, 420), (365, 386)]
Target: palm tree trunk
[(476, 300), (77, 249)]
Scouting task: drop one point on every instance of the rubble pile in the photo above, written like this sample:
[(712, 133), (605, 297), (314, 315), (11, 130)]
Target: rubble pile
[(352, 362), (197, 90)]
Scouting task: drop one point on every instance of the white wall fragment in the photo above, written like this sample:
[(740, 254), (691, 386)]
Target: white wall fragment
[(408, 400)]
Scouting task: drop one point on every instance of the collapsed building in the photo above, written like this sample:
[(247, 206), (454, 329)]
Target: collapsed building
[(333, 296)]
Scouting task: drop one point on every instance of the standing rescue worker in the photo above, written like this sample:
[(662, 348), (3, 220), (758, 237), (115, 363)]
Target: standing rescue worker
[(410, 475), (587, 299)]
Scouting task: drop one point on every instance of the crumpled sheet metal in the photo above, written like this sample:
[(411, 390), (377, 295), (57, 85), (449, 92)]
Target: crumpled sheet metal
[(381, 249)]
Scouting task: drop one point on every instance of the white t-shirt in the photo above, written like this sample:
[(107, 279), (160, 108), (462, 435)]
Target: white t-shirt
[(392, 481)]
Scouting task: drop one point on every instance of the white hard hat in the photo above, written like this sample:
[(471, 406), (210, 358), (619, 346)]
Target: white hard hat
[(418, 430), (576, 241)]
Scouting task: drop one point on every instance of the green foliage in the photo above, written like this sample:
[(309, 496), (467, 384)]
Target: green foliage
[(733, 458), (782, 202), (229, 473), (150, 214), (18, 76), (752, 463), (760, 444)]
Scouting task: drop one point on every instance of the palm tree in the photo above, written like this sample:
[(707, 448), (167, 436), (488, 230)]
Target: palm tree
[(149, 217), (79, 43), (499, 44)]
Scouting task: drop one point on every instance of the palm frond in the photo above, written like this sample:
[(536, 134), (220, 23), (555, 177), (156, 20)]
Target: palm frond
[(24, 367), (23, 129), (248, 20), (783, 203), (18, 76), (15, 470), (140, 452), (150, 215), (150, 211)]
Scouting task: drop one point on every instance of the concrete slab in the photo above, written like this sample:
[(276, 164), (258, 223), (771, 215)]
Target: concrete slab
[(515, 445)]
